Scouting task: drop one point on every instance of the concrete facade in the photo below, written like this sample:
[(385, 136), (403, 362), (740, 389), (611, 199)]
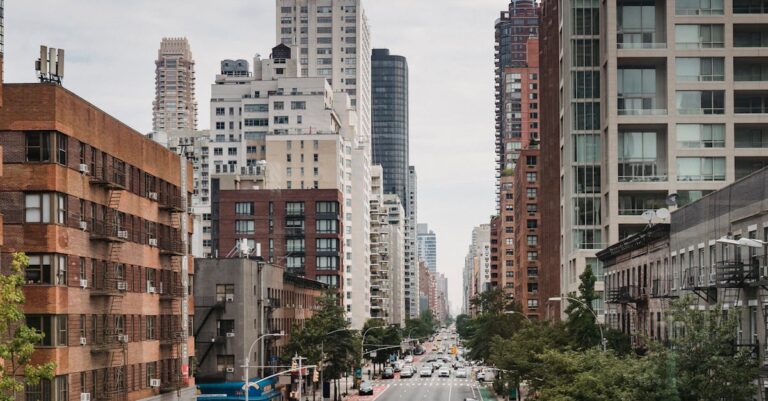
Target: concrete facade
[(238, 300), (427, 246), (174, 107), (395, 227), (101, 212), (412, 302)]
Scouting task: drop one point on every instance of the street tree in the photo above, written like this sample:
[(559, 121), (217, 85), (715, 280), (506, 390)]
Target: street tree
[(17, 340), (581, 324), (383, 341)]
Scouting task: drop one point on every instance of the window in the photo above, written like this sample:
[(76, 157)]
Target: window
[(533, 256), (531, 193), (256, 122), (46, 269), (278, 106), (532, 208), (689, 36), (151, 324), (327, 207), (47, 390), (38, 146), (532, 240), (224, 362), (244, 208), (225, 292), (220, 125), (532, 224), (151, 372), (45, 208), (245, 227), (530, 160), (327, 245), (699, 7), (256, 108), (298, 105), (281, 119), (225, 326), (530, 177), (701, 169), (327, 262), (294, 245), (703, 69), (638, 157), (294, 208), (53, 327), (636, 25), (636, 90), (700, 135), (327, 226), (700, 102)]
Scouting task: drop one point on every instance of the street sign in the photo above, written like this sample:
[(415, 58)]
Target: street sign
[(359, 373), (273, 358)]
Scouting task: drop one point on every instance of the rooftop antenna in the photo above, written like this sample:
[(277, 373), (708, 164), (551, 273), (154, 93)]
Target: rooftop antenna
[(50, 65)]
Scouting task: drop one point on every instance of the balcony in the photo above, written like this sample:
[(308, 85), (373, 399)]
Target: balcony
[(750, 35), (749, 69), (748, 165), (641, 170), (294, 231), (735, 274), (750, 102), (634, 203), (170, 242), (627, 295), (171, 202), (110, 177), (108, 231), (751, 136), (640, 24)]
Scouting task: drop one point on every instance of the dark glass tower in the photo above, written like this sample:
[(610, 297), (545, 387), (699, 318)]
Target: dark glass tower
[(389, 87)]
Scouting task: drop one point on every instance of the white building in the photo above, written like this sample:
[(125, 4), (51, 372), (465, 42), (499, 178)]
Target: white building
[(396, 234), (427, 246), (174, 106), (411, 249)]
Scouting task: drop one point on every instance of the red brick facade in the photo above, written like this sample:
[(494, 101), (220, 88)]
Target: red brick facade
[(98, 208), (528, 288), (273, 223)]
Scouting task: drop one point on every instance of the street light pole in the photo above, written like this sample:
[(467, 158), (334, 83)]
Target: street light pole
[(362, 349), (599, 326), (248, 362), (322, 360)]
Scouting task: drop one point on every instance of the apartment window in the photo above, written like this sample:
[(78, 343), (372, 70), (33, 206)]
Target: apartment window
[(586, 116), (701, 169), (636, 25), (256, 122), (218, 151), (294, 245), (533, 256), (700, 69), (281, 119), (298, 105), (45, 208), (46, 269), (530, 160), (705, 36), (151, 327), (245, 227), (638, 157), (531, 193), (586, 211), (532, 224), (220, 111), (220, 125), (327, 262), (294, 208), (256, 108), (47, 390), (327, 207), (700, 135), (530, 177), (225, 326), (327, 245), (700, 102), (244, 208), (532, 208), (586, 52), (232, 151), (699, 7), (636, 90), (38, 147), (327, 226), (53, 327), (586, 148), (278, 105)]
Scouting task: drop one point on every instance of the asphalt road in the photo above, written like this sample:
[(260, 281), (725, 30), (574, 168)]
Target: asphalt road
[(423, 388)]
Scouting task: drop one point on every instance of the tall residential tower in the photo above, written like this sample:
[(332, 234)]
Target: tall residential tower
[(174, 107)]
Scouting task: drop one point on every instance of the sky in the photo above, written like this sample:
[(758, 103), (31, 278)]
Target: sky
[(111, 46)]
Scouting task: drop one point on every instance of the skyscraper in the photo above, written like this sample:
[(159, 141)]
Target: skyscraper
[(174, 107), (390, 120), (334, 41), (657, 99), (411, 249), (427, 246)]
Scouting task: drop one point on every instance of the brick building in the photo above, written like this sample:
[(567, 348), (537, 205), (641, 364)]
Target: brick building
[(299, 229), (100, 211)]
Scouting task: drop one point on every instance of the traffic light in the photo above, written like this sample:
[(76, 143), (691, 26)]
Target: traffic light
[(316, 376)]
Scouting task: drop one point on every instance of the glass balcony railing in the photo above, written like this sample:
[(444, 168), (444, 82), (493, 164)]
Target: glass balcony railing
[(642, 112)]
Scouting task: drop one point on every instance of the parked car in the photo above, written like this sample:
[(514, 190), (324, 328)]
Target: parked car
[(397, 366), (425, 371), (389, 373), (419, 351), (408, 359), (366, 388)]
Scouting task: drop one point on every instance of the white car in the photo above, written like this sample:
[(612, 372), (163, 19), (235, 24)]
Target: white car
[(425, 371), (408, 359), (444, 372), (461, 373)]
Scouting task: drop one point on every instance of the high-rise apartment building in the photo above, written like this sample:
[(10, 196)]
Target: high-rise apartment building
[(390, 120), (657, 99), (396, 223), (477, 265), (101, 213), (411, 248), (174, 107), (334, 41), (427, 246)]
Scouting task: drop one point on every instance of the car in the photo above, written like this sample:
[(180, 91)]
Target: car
[(419, 351), (388, 373), (461, 373), (470, 399), (407, 371), (397, 366), (436, 365), (444, 372), (408, 359), (425, 371), (480, 376), (366, 388)]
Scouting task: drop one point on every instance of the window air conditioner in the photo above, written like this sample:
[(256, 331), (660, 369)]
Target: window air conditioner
[(231, 334), (122, 285), (229, 298), (123, 234), (84, 226), (151, 290), (83, 341), (154, 382), (83, 283), (153, 242), (230, 370), (123, 338), (85, 396), (152, 195), (85, 170)]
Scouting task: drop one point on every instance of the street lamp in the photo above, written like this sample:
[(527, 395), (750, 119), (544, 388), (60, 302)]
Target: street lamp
[(362, 348), (514, 312), (322, 359), (602, 335), (248, 361)]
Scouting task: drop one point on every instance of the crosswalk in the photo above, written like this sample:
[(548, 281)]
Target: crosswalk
[(427, 382)]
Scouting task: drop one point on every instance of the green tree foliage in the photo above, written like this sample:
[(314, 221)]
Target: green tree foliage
[(581, 324), (341, 348), (493, 321), (464, 326), (381, 339), (17, 340), (422, 327)]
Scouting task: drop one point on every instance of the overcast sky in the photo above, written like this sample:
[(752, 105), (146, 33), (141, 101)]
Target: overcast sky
[(111, 46)]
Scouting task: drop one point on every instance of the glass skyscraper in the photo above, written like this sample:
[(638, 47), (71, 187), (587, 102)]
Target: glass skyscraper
[(390, 120)]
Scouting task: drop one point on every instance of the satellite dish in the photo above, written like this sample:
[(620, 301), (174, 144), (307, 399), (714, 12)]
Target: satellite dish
[(672, 200), (648, 215), (662, 213)]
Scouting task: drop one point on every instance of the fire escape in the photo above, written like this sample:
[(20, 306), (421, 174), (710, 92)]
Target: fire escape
[(110, 343), (171, 291), (630, 297)]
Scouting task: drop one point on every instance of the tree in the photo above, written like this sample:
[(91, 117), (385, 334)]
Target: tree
[(328, 330), (17, 340), (705, 358), (421, 327), (581, 324), (382, 340), (463, 326)]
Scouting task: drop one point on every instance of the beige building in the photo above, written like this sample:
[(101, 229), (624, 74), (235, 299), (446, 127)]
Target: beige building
[(174, 106), (657, 98)]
